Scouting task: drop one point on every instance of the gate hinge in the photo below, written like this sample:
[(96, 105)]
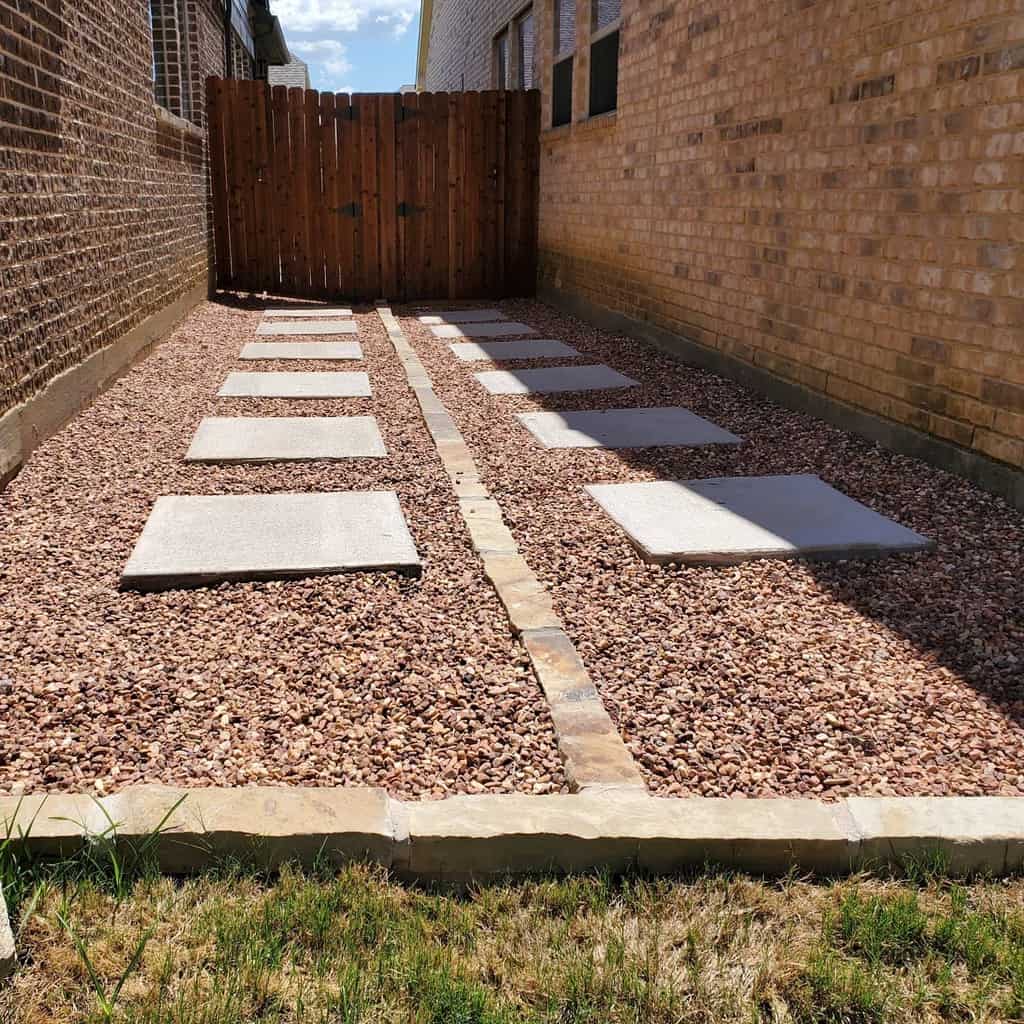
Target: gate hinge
[(404, 112), (346, 113), (349, 210), (407, 209)]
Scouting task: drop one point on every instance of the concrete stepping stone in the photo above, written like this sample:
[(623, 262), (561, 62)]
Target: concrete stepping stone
[(624, 428), (195, 540), (556, 378), (495, 351), (309, 327), (298, 384), (728, 520), (285, 439), (502, 330), (302, 350), (304, 313), (462, 316)]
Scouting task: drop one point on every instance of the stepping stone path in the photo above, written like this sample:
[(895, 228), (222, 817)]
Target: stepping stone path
[(624, 428), (462, 316), (195, 540), (300, 313), (302, 350), (285, 439), (496, 351), (311, 327), (548, 381), (501, 330), (284, 384), (729, 520)]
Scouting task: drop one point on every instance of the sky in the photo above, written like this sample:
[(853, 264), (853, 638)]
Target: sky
[(353, 45)]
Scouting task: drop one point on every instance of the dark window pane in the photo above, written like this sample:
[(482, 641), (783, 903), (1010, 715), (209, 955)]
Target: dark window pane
[(501, 61), (565, 27), (561, 93), (606, 12), (604, 74), (525, 30)]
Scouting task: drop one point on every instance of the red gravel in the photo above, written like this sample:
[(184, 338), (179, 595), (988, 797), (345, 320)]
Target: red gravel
[(373, 679), (899, 676)]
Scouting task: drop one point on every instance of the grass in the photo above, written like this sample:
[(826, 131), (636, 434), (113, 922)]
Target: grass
[(102, 937)]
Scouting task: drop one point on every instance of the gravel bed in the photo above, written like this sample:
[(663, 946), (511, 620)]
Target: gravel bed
[(415, 685), (903, 676)]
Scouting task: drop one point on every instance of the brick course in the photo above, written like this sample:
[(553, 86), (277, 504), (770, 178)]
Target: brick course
[(829, 190), (102, 195)]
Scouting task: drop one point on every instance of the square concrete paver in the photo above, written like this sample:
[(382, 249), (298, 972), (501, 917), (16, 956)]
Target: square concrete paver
[(557, 378), (728, 520), (301, 314), (308, 327), (302, 350), (502, 330), (285, 439), (624, 428), (285, 384), (193, 540), (462, 316), (496, 351)]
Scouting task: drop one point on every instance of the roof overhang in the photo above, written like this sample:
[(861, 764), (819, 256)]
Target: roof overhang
[(268, 36), (426, 11)]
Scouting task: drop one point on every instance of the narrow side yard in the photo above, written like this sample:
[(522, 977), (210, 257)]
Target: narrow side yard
[(415, 685), (900, 676)]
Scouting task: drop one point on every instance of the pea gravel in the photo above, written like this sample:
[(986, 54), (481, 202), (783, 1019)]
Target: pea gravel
[(415, 685), (902, 676)]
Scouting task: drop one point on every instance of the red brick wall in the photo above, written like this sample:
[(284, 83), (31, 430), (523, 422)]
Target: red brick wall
[(103, 200), (830, 190)]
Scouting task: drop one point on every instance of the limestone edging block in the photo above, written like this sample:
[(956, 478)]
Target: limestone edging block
[(8, 956), (526, 601), (54, 824)]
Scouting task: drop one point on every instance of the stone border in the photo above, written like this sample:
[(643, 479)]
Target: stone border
[(592, 750), (25, 427), (466, 838), (995, 477)]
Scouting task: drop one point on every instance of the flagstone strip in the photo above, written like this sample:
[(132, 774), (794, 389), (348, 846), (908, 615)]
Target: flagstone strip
[(496, 351), (285, 439), (624, 428), (302, 350), (296, 384), (553, 379), (467, 838), (312, 327), (499, 330), (594, 754), (302, 313), (194, 540), (462, 316)]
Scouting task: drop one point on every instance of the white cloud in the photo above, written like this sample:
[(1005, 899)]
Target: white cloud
[(344, 15), (328, 54)]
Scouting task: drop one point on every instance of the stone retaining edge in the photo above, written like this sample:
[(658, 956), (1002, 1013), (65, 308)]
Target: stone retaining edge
[(477, 837)]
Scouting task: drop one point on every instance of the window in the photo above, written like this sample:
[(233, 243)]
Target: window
[(604, 56), (561, 74), (524, 40), (501, 69), (170, 56)]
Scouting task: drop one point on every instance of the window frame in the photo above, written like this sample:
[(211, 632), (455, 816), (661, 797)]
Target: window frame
[(597, 35), (497, 77), (517, 22)]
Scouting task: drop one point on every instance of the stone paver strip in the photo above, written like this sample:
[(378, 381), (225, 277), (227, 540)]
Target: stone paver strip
[(505, 329), (297, 384), (462, 316), (302, 350), (8, 957), (285, 439), (301, 314), (479, 837), (552, 380), (593, 752), (311, 327), (727, 520), (624, 428), (191, 540), (496, 351)]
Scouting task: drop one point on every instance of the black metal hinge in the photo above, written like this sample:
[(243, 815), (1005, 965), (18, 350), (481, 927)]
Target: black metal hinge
[(407, 209), (349, 210), (404, 113), (346, 113)]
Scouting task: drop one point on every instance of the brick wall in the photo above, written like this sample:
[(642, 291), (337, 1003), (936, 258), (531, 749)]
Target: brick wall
[(103, 198), (830, 190)]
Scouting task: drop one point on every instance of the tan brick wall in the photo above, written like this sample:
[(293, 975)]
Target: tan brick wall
[(832, 190), (102, 201)]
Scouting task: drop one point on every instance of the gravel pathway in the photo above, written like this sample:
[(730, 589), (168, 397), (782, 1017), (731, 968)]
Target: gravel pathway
[(901, 676), (372, 679)]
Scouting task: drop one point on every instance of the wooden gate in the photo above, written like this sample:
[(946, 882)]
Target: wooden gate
[(377, 195)]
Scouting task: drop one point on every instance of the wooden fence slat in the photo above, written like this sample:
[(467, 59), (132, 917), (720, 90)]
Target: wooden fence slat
[(314, 192), (421, 213), (216, 110), (437, 200), (368, 111), (390, 109), (281, 171), (329, 202), (412, 267), (297, 186), (262, 197)]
